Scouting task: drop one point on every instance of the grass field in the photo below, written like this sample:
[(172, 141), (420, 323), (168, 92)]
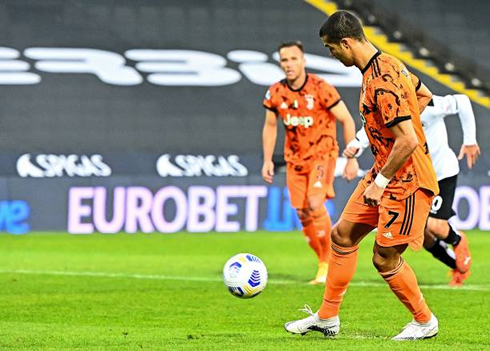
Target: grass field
[(131, 292)]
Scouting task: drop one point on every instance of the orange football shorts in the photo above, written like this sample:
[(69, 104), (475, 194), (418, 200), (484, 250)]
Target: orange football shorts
[(318, 180), (398, 221)]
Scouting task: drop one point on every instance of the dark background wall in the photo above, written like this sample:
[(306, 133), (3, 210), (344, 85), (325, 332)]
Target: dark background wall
[(79, 113), (460, 25)]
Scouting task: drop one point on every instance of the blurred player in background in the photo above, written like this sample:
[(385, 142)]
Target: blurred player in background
[(395, 196), (438, 231), (308, 107)]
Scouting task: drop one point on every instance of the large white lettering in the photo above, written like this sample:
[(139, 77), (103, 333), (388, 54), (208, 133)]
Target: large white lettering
[(78, 211), (108, 66), (254, 65), (101, 212), (484, 208), (203, 217), (183, 67), (339, 75), (181, 210), (134, 209), (477, 205), (14, 72), (138, 206), (165, 67)]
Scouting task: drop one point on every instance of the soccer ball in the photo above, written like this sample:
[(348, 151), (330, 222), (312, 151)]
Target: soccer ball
[(245, 275)]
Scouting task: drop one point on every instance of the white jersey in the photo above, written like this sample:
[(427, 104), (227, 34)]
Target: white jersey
[(443, 158)]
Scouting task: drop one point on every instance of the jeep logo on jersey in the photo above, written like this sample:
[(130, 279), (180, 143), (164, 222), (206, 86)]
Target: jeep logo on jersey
[(294, 121), (50, 166), (161, 67)]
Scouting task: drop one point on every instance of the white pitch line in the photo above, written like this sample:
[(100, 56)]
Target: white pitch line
[(210, 279), (109, 275)]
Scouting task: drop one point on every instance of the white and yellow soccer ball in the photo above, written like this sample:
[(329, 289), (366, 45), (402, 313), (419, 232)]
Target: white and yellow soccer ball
[(245, 275)]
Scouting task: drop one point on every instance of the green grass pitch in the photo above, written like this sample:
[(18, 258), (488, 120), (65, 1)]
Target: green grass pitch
[(152, 291)]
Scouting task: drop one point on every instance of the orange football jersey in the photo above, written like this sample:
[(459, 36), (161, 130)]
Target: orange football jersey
[(388, 96), (305, 113)]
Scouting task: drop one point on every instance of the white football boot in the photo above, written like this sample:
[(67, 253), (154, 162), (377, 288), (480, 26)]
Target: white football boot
[(418, 331), (329, 327)]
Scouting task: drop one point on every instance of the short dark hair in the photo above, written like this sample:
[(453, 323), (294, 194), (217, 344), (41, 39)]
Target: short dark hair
[(342, 24), (289, 44)]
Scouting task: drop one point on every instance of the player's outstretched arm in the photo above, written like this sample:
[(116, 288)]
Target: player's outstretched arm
[(470, 147), (269, 137), (343, 115)]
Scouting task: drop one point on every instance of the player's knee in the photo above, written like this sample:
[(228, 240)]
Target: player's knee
[(378, 261), (315, 205), (303, 214), (338, 238), (318, 212), (437, 227), (385, 261), (428, 238)]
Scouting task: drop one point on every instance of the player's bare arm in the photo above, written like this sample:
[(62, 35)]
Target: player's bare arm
[(342, 115), (424, 95), (405, 144), (269, 137)]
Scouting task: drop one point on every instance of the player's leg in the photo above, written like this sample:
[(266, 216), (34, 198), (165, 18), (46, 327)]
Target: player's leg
[(356, 222), (438, 224), (309, 231), (346, 236), (323, 227), (402, 223), (342, 265), (445, 232), (297, 184), (401, 279), (438, 248), (403, 282), (320, 188)]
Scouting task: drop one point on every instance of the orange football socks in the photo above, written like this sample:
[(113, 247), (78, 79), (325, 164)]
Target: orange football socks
[(403, 283), (323, 227), (310, 233), (341, 269)]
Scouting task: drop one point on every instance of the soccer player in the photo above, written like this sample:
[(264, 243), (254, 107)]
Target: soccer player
[(394, 196), (308, 106), (438, 231)]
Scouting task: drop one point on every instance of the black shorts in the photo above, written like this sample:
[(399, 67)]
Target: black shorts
[(442, 205)]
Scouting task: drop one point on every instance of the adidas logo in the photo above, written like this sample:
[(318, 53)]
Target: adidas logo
[(388, 235), (284, 105), (318, 184)]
